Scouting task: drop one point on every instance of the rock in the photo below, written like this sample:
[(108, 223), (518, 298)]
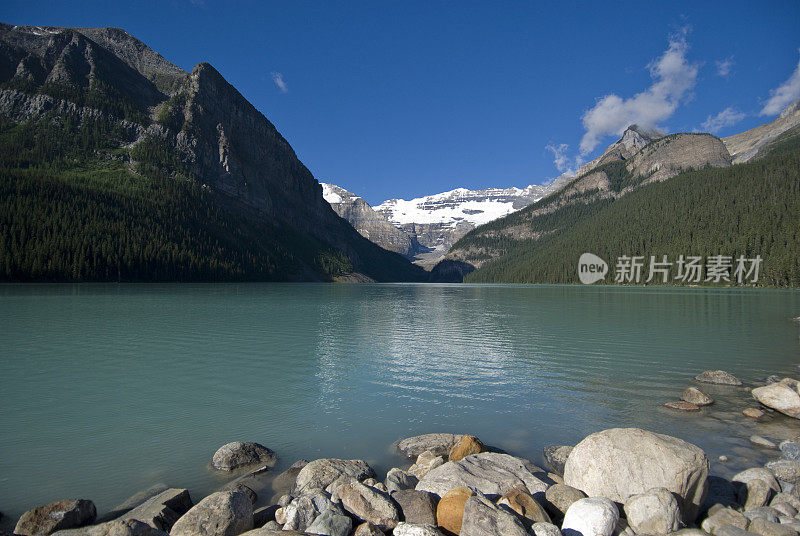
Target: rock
[(437, 444), (369, 505), (764, 512), (762, 442), (622, 528), (285, 481), (59, 515), (725, 516), (772, 378), (320, 474), (329, 523), (555, 457), (653, 512), (426, 462), (770, 528), (525, 506), (682, 405), (238, 486), (241, 453), (560, 497), (163, 510), (594, 516), (730, 530), (621, 462), (786, 470), (786, 498), (753, 413), (134, 501), (116, 527), (782, 396), (415, 529), (482, 518), (263, 515), (545, 529), (719, 377), (397, 479), (466, 446), (755, 493), (487, 473), (273, 530), (368, 529), (723, 458), (790, 450), (783, 508), (303, 510), (757, 473), (689, 532), (418, 507), (450, 510), (696, 397), (224, 513)]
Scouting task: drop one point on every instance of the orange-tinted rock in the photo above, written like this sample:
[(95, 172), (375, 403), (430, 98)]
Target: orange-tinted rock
[(467, 445), (450, 510), (753, 413)]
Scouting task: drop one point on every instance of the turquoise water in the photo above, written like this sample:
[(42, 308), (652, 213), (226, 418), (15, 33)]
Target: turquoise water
[(109, 389)]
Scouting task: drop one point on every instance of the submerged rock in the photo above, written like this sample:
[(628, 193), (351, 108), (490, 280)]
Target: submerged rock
[(224, 513), (64, 514), (753, 413), (487, 473), (696, 397), (595, 516), (782, 396), (762, 442), (621, 462), (719, 377), (682, 405), (241, 453)]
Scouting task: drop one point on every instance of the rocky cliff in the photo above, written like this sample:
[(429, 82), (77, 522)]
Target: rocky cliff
[(746, 145), (195, 124)]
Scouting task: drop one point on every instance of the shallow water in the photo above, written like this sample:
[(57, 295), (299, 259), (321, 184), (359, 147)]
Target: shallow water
[(109, 389)]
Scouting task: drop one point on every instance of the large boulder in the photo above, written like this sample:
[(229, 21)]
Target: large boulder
[(418, 507), (64, 514), (224, 513), (320, 474), (117, 527), (303, 510), (594, 516), (162, 510), (719, 377), (488, 473), (482, 518), (242, 453), (654, 512), (369, 504), (783, 396), (450, 510), (621, 462), (438, 444)]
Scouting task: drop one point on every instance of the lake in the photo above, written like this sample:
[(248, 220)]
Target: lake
[(109, 389)]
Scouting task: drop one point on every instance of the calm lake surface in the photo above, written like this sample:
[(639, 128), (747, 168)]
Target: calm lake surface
[(109, 389)]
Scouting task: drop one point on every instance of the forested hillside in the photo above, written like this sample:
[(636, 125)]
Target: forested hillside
[(747, 209)]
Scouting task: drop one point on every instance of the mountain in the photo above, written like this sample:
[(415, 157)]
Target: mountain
[(436, 222), (746, 145), (369, 223), (117, 165)]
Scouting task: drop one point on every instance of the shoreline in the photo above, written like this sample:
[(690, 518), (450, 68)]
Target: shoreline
[(271, 496)]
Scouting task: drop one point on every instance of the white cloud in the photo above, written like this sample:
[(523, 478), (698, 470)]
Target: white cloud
[(727, 117), (724, 67), (673, 79), (560, 158), (784, 94), (280, 82)]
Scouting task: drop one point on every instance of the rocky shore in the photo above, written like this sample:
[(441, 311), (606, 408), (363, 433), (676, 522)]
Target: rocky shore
[(615, 482)]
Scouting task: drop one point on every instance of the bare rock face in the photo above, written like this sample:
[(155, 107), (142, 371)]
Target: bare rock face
[(668, 156), (225, 513), (622, 462), (783, 396), (320, 474), (65, 514), (487, 473), (746, 145), (242, 453)]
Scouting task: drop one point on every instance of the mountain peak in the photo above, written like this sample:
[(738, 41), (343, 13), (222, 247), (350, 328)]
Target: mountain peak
[(635, 137)]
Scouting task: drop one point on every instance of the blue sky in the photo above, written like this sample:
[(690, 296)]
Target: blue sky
[(402, 99)]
